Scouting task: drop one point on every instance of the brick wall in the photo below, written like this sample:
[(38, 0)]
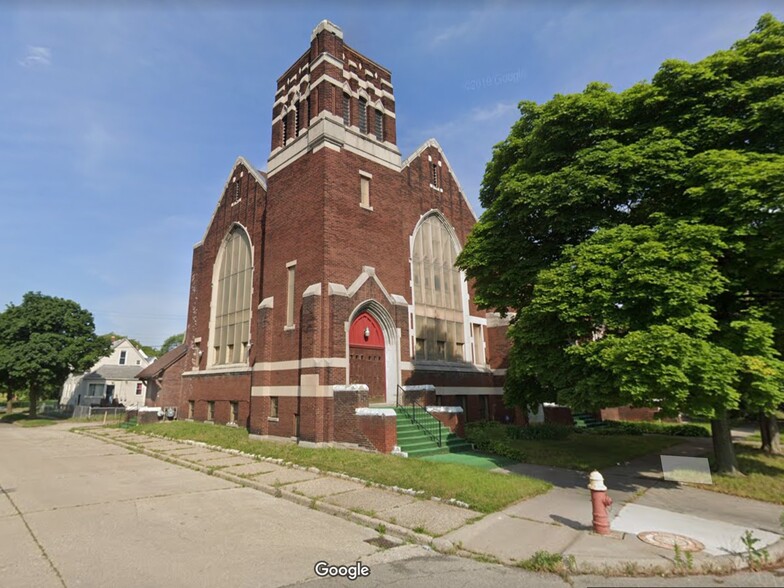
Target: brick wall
[(381, 431), (628, 413), (558, 415), (454, 421), (346, 423)]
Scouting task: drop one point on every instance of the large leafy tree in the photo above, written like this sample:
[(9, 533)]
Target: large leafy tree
[(171, 342), (701, 143), (42, 341)]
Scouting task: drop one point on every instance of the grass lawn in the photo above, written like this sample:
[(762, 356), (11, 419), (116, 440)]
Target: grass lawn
[(23, 419), (481, 490), (587, 452), (763, 479)]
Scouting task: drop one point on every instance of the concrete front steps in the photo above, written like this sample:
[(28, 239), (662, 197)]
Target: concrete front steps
[(586, 420), (416, 443)]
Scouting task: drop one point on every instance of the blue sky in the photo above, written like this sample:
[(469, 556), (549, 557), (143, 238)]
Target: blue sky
[(120, 121)]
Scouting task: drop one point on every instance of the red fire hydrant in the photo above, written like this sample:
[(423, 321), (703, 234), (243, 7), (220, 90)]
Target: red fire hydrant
[(600, 502)]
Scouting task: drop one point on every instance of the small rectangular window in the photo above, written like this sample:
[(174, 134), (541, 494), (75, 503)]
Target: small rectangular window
[(296, 119), (290, 295), (363, 126), (346, 110), (434, 174), (273, 407), (479, 345), (138, 387), (234, 408), (190, 409), (210, 410), (285, 128), (123, 356), (364, 192), (379, 125)]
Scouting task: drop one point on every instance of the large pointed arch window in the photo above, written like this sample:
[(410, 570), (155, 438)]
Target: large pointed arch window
[(231, 331), (438, 294)]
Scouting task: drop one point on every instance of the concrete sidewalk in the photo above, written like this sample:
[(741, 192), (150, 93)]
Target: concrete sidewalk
[(557, 522)]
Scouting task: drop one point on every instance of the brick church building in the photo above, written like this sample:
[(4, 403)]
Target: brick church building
[(333, 267)]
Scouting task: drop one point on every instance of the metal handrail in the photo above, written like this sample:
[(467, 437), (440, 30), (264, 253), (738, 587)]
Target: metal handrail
[(418, 415)]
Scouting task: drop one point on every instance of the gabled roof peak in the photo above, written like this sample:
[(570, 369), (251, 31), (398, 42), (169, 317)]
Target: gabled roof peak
[(435, 145)]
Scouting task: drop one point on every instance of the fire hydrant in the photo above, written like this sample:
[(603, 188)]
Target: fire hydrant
[(600, 502)]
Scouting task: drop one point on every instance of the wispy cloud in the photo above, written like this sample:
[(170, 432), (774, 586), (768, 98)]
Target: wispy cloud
[(454, 32), (37, 57), (481, 114)]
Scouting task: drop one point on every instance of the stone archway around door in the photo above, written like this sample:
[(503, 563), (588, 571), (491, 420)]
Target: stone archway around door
[(366, 352)]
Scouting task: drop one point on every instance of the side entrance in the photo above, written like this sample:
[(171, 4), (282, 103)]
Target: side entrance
[(367, 356)]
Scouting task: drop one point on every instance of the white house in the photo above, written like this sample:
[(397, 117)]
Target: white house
[(111, 381)]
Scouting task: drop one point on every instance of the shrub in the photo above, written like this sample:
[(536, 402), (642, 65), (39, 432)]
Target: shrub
[(540, 432), (492, 437), (649, 427)]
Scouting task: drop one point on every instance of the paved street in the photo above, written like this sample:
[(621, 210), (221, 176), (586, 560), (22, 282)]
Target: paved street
[(77, 511)]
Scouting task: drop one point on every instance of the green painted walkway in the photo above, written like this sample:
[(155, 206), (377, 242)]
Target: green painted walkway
[(472, 458)]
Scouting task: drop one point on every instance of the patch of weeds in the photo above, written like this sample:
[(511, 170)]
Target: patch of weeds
[(381, 529), (755, 557), (545, 561), (484, 558), (210, 471), (393, 520), (637, 495), (278, 492), (314, 503), (630, 568), (683, 564), (420, 529)]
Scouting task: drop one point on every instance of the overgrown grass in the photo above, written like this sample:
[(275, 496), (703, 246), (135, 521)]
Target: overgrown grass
[(763, 479), (481, 490), (588, 452), (23, 419), (577, 451)]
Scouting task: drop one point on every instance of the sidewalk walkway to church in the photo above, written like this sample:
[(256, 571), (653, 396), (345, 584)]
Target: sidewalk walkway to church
[(556, 522)]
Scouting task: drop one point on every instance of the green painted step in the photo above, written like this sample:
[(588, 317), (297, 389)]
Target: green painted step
[(416, 443), (587, 421)]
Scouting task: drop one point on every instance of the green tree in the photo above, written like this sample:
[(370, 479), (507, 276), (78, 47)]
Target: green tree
[(42, 341), (761, 373), (171, 342), (701, 143)]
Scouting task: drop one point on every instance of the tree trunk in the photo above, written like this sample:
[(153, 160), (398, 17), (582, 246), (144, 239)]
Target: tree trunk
[(769, 431), (33, 404), (723, 450), (9, 403)]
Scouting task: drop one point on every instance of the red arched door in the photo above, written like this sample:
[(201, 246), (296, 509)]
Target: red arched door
[(366, 356)]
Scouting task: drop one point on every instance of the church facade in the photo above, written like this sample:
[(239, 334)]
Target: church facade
[(335, 267)]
